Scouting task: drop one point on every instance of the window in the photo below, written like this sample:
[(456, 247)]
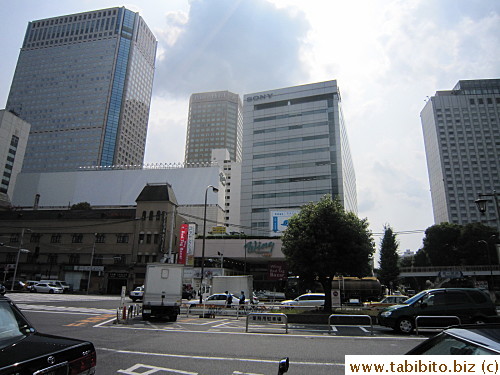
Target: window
[(148, 238), (14, 238), (151, 214), (77, 238), (122, 238), (158, 215), (141, 238), (100, 238), (55, 238), (35, 238), (74, 259)]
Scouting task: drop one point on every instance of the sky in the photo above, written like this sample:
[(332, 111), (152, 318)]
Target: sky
[(387, 56)]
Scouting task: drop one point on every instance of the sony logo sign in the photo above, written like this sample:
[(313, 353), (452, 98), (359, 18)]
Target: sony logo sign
[(259, 97)]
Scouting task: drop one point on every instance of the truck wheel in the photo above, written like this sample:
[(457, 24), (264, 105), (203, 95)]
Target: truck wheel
[(146, 316), (173, 318)]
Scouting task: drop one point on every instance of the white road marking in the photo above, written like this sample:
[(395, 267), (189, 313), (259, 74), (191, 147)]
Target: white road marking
[(152, 370), (230, 359)]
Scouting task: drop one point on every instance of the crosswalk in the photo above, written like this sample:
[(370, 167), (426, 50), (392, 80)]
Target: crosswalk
[(42, 298)]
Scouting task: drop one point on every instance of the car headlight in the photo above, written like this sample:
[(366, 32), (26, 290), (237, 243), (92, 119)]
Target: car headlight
[(386, 314)]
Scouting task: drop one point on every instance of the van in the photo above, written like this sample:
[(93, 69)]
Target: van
[(62, 284), (468, 304)]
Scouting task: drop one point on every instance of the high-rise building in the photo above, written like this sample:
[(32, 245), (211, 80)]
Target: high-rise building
[(83, 81), (214, 122), (13, 139), (462, 145), (295, 150)]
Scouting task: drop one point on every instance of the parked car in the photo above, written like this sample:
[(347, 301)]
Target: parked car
[(46, 288), (476, 339), (3, 290), (389, 300), (25, 350), (60, 283), (468, 304), (306, 300), (28, 285), (219, 299), (137, 293)]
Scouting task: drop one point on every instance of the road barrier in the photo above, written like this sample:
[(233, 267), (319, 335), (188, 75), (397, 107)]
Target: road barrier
[(442, 317), (267, 318), (352, 317), (123, 314)]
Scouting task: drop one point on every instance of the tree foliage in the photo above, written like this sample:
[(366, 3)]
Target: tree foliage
[(81, 206), (389, 258), (323, 241), (454, 245)]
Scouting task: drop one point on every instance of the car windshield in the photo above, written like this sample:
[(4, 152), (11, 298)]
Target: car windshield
[(448, 345), (13, 326), (415, 298)]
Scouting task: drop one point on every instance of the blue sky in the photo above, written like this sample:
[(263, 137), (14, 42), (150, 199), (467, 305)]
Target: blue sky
[(387, 57)]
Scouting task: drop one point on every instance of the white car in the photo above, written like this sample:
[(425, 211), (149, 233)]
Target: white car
[(46, 288), (306, 300), (137, 293), (219, 299)]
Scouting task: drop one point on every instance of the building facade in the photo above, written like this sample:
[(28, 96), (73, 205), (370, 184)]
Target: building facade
[(462, 146), (214, 122), (295, 151), (14, 134), (83, 81), (111, 246)]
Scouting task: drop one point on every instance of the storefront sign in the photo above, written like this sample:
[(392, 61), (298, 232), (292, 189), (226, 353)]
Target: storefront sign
[(190, 244), (259, 97), (277, 271), (181, 259), (117, 275), (262, 248), (279, 220)]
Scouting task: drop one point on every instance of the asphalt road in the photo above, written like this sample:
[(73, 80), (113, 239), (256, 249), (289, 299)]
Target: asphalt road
[(202, 346)]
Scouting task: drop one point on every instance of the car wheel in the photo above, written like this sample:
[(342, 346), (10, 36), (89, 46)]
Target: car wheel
[(405, 325), (146, 316), (51, 291), (133, 299), (173, 318)]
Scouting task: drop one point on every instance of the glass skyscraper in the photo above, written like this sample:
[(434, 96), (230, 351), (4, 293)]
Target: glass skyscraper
[(84, 81), (214, 122), (462, 145), (295, 150)]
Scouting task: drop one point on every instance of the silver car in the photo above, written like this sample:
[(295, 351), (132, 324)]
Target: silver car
[(46, 288), (306, 300)]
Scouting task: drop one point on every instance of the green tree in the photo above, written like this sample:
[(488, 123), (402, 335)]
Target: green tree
[(389, 258), (470, 251), (441, 244), (323, 241), (81, 206)]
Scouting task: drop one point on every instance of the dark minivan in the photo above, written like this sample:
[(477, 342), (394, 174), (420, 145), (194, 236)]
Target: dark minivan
[(468, 304)]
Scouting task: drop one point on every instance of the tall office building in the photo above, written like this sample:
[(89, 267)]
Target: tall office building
[(83, 81), (214, 122), (462, 144), (295, 150)]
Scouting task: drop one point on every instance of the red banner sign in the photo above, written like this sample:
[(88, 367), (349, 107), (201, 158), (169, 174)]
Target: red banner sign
[(183, 244)]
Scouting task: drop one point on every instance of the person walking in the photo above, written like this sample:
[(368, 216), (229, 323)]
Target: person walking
[(242, 301), (229, 299)]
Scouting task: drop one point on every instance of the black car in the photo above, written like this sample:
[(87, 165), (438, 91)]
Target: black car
[(479, 339), (467, 305), (23, 350), (3, 290)]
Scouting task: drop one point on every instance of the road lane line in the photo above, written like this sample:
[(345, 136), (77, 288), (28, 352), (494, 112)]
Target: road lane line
[(231, 359)]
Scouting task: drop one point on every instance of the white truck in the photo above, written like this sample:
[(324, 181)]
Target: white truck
[(162, 291), (234, 285)]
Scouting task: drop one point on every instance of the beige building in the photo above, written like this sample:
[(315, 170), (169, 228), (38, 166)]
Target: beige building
[(14, 134), (113, 245)]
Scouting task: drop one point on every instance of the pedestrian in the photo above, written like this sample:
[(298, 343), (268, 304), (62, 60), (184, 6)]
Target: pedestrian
[(229, 299), (242, 298)]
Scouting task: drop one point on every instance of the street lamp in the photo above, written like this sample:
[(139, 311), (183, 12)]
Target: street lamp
[(215, 190), (487, 246), (221, 259), (91, 262), (482, 205), (19, 251)]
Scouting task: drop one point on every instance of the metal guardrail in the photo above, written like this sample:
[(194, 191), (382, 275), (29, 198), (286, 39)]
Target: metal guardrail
[(349, 316), (420, 317), (267, 318)]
